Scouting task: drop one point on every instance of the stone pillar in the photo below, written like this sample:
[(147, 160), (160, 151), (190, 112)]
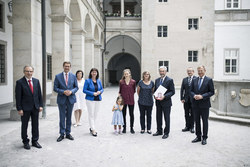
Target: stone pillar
[(98, 59), (122, 8), (60, 45), (89, 54), (78, 44), (26, 42)]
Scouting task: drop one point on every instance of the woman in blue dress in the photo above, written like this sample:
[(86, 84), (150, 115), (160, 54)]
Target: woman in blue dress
[(117, 115)]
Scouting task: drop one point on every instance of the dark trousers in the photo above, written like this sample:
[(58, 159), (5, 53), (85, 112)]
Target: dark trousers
[(145, 110), (165, 110), (131, 114), (34, 115), (201, 113), (189, 114), (65, 112)]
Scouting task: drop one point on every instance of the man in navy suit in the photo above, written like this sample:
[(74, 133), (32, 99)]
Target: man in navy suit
[(163, 102), (66, 86), (29, 103), (186, 100), (202, 88)]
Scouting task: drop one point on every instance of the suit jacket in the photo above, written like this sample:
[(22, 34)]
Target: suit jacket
[(185, 89), (168, 83), (206, 90), (60, 87), (89, 89), (25, 100)]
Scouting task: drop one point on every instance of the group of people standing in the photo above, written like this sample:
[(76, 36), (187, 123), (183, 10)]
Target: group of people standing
[(195, 95)]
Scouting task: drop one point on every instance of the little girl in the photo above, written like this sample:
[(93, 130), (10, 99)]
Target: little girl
[(117, 116)]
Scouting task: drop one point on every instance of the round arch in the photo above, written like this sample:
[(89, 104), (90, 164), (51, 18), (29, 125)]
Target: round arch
[(109, 38)]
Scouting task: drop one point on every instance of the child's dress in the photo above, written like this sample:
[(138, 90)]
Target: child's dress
[(117, 117)]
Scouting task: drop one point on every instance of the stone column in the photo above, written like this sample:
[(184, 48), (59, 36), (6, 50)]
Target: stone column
[(89, 54), (98, 59), (26, 42), (78, 44), (122, 8), (60, 45)]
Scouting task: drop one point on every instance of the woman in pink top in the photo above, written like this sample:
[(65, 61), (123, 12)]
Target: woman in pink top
[(127, 90)]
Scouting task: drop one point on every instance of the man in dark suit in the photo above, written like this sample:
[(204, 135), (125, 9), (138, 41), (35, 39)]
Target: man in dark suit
[(186, 100), (66, 86), (29, 103), (202, 88), (163, 102)]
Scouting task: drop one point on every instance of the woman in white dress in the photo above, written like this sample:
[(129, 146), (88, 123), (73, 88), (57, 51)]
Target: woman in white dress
[(80, 104)]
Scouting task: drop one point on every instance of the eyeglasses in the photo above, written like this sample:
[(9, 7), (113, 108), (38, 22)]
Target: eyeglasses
[(29, 71)]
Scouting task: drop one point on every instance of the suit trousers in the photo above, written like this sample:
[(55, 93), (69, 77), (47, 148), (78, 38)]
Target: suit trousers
[(201, 113), (65, 113), (93, 109), (131, 114), (145, 110), (34, 115), (189, 114), (165, 110)]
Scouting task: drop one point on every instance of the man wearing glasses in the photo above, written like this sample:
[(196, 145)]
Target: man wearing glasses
[(29, 103)]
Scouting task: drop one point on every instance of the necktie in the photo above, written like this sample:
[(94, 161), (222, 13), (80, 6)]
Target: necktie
[(31, 86), (66, 79), (199, 83), (161, 81), (189, 81)]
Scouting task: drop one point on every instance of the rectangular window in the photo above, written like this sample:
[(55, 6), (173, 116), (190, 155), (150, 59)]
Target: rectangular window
[(1, 15), (232, 4), (193, 24), (231, 61), (164, 63), (2, 63), (162, 31), (192, 56), (49, 67), (163, 0)]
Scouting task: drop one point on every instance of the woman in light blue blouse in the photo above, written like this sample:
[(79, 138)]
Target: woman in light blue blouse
[(145, 91)]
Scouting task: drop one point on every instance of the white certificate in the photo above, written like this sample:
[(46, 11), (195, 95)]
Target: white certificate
[(161, 90)]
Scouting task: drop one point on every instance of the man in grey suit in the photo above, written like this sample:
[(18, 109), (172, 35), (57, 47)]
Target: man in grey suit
[(163, 102), (202, 88), (66, 86), (186, 100)]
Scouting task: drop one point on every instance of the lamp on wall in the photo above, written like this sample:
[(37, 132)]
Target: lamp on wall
[(10, 6)]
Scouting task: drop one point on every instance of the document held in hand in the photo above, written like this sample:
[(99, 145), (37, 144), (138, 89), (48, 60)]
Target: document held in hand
[(159, 93)]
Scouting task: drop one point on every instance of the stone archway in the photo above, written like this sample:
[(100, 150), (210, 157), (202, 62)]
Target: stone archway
[(122, 61), (89, 44)]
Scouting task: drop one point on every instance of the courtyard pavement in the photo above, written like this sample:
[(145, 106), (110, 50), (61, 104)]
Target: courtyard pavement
[(228, 144)]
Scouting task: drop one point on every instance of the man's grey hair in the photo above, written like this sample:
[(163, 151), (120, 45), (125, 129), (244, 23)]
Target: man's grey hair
[(201, 66), (27, 66), (163, 67)]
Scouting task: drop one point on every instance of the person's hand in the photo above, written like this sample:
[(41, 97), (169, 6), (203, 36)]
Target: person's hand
[(95, 94), (40, 109), (67, 92), (98, 92), (183, 101), (20, 112), (160, 98), (198, 97)]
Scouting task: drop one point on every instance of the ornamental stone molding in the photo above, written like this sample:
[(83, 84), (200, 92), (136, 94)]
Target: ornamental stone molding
[(244, 97), (90, 40), (60, 18), (78, 32)]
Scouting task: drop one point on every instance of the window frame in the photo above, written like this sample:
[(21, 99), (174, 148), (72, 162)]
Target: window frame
[(231, 58), (193, 56), (2, 29), (49, 72), (232, 4), (192, 24), (158, 65), (5, 63), (162, 1), (162, 31)]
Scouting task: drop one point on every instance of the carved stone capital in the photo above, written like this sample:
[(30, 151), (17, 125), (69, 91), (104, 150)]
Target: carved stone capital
[(78, 32), (90, 40), (60, 18)]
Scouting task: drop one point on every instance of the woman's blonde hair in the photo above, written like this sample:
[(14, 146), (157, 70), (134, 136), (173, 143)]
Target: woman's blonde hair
[(145, 72), (126, 70)]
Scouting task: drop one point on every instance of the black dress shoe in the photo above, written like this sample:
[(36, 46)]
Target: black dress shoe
[(185, 129), (36, 144), (124, 130), (94, 134), (165, 136), (192, 130), (197, 139), (60, 138), (157, 133), (142, 131), (69, 137), (149, 132), (26, 146), (132, 130), (204, 141)]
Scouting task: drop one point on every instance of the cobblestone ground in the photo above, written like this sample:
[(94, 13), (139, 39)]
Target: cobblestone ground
[(228, 144)]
